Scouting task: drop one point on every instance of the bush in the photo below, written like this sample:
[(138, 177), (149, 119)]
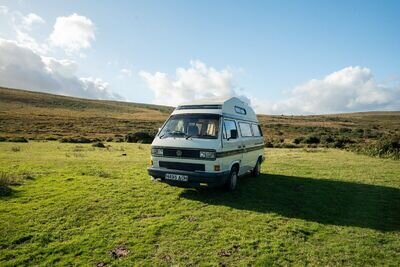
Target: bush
[(15, 149), (328, 139), (342, 142), (298, 140), (3, 139), (139, 137), (268, 143), (18, 140), (311, 140), (388, 147), (78, 140), (7, 180), (99, 144)]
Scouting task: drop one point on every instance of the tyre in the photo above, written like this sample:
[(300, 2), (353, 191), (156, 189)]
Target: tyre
[(231, 183), (257, 169)]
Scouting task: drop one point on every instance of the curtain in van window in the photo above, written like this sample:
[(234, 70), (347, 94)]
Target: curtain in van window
[(245, 129)]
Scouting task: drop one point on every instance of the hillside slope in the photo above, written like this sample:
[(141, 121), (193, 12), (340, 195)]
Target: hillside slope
[(40, 115), (45, 116)]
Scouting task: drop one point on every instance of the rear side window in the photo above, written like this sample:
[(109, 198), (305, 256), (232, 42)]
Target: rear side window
[(228, 126), (256, 130), (245, 129)]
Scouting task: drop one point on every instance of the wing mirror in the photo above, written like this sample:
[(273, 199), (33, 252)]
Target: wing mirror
[(234, 134)]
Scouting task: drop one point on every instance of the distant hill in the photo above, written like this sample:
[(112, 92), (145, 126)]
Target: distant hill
[(45, 116)]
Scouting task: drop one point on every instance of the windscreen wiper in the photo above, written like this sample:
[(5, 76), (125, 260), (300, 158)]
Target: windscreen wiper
[(190, 136)]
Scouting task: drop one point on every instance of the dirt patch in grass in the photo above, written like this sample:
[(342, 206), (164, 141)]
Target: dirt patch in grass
[(229, 252), (119, 251)]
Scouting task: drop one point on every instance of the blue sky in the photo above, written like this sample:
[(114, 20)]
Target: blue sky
[(267, 52)]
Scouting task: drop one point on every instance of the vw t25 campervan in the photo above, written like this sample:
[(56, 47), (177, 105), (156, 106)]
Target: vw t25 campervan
[(208, 144)]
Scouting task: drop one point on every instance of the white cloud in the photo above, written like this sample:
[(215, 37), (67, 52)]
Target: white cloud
[(23, 26), (22, 67), (29, 20), (126, 72), (3, 10), (198, 82), (25, 39), (347, 90), (73, 33), (63, 67)]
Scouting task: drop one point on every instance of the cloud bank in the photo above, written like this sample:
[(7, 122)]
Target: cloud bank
[(196, 83), (21, 67), (347, 90), (26, 63)]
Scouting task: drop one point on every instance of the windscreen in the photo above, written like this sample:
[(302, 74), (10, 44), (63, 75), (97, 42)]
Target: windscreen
[(191, 126)]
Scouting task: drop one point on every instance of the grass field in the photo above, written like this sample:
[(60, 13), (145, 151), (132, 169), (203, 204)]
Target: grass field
[(75, 204)]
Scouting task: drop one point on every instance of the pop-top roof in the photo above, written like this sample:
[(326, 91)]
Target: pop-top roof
[(233, 107)]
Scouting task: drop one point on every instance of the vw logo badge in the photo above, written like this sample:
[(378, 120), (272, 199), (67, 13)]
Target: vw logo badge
[(179, 153)]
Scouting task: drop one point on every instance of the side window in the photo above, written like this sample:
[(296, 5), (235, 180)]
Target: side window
[(228, 126), (240, 110), (245, 129), (256, 130)]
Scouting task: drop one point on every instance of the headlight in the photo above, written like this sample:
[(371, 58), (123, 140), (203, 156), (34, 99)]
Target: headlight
[(207, 154), (157, 152)]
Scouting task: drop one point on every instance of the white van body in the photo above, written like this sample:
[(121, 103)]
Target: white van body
[(197, 145)]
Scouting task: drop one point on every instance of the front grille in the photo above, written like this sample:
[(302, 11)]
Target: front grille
[(181, 153), (182, 166)]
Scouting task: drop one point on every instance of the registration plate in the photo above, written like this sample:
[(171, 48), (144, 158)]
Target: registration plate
[(176, 177)]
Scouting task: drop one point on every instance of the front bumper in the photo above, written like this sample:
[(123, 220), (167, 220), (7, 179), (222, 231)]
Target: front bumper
[(195, 179)]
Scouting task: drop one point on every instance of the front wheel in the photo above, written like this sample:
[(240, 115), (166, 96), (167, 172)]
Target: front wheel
[(257, 169), (232, 180)]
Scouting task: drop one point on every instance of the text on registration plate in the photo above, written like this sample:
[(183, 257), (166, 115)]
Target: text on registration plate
[(176, 177)]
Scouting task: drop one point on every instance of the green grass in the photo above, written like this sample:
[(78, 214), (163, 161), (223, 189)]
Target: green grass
[(309, 207)]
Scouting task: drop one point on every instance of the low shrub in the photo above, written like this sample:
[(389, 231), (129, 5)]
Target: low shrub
[(15, 149), (139, 137), (342, 142), (268, 143), (78, 140), (99, 144), (7, 180), (311, 140), (18, 140), (327, 139), (388, 147), (298, 140), (3, 139)]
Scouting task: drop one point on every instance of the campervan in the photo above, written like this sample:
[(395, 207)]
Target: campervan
[(208, 144)]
